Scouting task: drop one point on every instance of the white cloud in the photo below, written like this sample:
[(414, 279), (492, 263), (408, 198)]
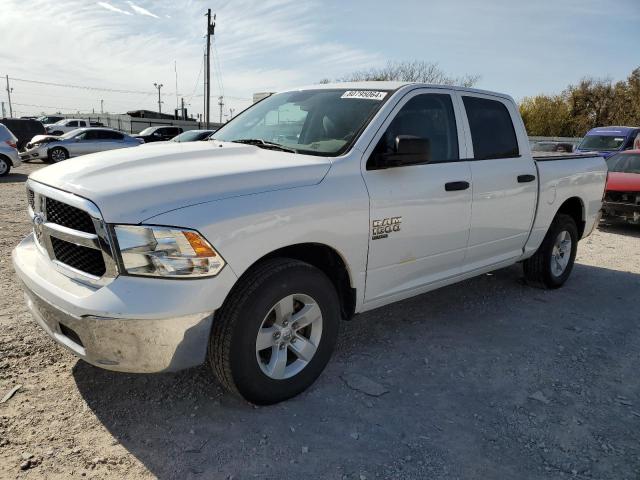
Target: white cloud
[(260, 45), (108, 6), (142, 11)]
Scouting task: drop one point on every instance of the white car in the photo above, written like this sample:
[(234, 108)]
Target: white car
[(309, 207), (9, 156), (66, 125)]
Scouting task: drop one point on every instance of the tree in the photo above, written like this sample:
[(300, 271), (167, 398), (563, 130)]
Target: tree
[(411, 71), (546, 116), (589, 104)]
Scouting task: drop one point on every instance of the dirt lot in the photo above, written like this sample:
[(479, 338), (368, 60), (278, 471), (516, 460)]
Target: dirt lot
[(486, 379)]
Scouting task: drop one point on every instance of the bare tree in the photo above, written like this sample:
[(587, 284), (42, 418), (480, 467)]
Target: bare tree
[(411, 71)]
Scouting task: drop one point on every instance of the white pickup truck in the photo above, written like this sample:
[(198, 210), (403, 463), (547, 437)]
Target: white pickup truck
[(313, 205), (66, 125)]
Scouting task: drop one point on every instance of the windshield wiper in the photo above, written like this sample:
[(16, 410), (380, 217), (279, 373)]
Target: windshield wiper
[(258, 142)]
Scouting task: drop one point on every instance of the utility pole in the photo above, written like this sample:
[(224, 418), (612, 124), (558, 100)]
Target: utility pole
[(159, 86), (175, 68), (9, 90), (101, 106), (221, 103), (207, 96), (184, 113)]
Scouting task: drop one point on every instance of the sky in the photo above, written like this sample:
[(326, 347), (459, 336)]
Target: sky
[(115, 50)]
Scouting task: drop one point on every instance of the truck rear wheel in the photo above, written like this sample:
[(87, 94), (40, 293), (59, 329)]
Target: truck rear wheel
[(551, 265), (276, 332)]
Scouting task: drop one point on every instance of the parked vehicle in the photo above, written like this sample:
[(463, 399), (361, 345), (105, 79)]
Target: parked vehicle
[(158, 134), (622, 199), (375, 192), (192, 136), (548, 146), (8, 152), (608, 141), (66, 125), (24, 130), (49, 119), (80, 141), (188, 136)]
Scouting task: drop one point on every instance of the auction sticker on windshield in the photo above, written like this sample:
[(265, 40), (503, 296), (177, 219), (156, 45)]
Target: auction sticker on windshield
[(366, 94)]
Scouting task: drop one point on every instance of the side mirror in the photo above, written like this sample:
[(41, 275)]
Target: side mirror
[(409, 150)]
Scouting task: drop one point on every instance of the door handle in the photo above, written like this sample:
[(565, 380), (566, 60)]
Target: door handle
[(526, 178), (453, 186)]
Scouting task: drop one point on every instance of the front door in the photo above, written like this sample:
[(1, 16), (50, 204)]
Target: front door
[(420, 214)]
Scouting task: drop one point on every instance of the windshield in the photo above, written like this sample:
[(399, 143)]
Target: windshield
[(148, 131), (624, 162), (316, 122), (192, 136), (60, 122), (601, 143)]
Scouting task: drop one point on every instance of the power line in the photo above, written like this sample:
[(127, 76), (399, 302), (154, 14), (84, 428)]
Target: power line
[(216, 61), (81, 87), (195, 87)]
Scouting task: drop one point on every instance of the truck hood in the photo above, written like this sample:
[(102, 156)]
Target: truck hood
[(623, 182), (133, 184)]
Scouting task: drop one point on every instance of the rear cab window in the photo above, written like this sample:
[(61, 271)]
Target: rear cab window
[(492, 132)]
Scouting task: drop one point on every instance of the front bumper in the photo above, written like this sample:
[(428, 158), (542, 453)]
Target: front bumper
[(132, 324), (627, 211), (33, 153)]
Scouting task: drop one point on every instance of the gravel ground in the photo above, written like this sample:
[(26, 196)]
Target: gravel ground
[(485, 379)]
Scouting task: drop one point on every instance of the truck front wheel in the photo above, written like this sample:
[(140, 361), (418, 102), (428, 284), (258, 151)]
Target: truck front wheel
[(551, 265), (276, 332)]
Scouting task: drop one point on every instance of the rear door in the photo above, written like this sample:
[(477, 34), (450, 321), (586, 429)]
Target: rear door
[(505, 186), (420, 214)]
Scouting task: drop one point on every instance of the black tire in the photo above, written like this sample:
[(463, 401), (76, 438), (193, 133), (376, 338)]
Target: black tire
[(57, 154), (232, 345), (5, 166), (537, 269)]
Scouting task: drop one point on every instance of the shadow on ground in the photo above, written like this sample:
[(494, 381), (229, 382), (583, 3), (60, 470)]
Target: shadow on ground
[(14, 178), (486, 379)]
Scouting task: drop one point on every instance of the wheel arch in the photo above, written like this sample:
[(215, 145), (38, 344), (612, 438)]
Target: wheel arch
[(574, 207), (325, 258), (60, 147)]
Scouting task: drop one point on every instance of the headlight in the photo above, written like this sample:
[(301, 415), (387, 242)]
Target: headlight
[(166, 252)]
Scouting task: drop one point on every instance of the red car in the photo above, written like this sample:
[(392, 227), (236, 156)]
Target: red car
[(622, 198)]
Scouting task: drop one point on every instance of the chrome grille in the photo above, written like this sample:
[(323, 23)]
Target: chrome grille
[(70, 231), (68, 216), (81, 258)]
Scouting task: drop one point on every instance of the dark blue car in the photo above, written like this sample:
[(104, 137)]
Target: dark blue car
[(608, 141)]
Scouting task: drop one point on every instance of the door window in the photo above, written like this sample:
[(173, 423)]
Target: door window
[(492, 129), (428, 116), (72, 124)]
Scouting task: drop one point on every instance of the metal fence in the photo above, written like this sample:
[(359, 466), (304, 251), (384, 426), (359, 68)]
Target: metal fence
[(133, 125)]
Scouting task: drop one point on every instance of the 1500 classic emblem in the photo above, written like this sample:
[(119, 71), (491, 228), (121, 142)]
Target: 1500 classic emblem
[(383, 227)]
